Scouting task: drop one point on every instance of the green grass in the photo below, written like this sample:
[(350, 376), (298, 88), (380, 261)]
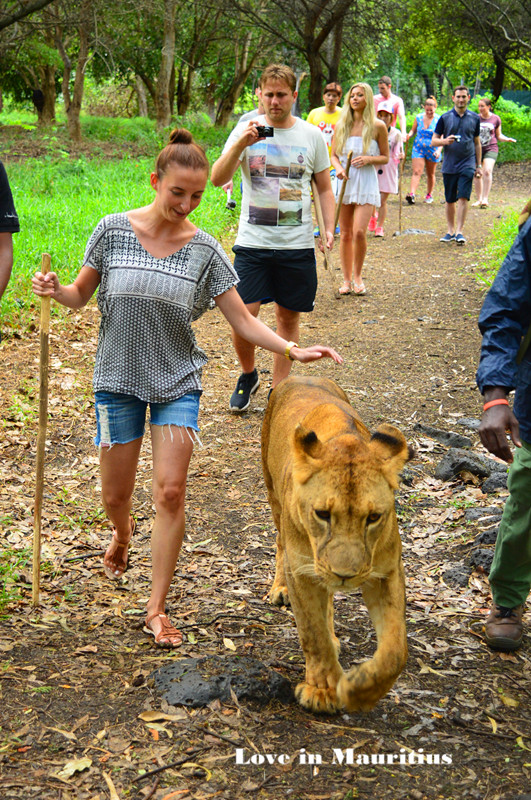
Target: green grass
[(497, 247), (59, 202), (10, 562)]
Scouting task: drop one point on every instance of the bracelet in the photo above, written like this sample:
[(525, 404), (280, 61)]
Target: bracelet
[(501, 401), (287, 351)]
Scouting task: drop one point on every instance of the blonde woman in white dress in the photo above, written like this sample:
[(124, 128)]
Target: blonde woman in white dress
[(359, 130)]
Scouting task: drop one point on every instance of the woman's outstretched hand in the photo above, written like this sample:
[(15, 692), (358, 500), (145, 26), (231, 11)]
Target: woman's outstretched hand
[(314, 353)]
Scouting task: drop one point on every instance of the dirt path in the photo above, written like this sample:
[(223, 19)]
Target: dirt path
[(75, 672)]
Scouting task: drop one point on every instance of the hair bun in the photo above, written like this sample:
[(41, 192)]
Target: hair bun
[(181, 136)]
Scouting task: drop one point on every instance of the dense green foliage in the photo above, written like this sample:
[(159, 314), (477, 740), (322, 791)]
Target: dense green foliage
[(497, 247), (60, 199)]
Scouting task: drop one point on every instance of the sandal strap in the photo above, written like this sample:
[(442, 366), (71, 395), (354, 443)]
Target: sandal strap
[(167, 629), (131, 534)]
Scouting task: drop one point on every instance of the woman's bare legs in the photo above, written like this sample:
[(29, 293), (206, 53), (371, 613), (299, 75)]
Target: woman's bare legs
[(118, 465), (383, 209), (346, 220), (353, 221), (362, 215), (431, 166), (172, 450), (487, 168), (417, 165)]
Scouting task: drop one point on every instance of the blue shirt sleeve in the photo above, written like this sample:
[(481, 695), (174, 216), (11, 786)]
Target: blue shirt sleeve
[(506, 315)]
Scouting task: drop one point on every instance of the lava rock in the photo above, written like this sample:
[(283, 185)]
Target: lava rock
[(196, 682), (488, 514), (481, 558), (457, 460), (488, 536), (457, 575), (494, 483), (444, 437), (414, 231), (470, 423)]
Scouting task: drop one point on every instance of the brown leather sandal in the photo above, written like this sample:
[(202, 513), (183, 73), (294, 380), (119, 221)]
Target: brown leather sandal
[(167, 630), (122, 550)]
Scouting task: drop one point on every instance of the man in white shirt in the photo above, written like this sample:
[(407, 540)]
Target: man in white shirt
[(275, 257), (385, 95)]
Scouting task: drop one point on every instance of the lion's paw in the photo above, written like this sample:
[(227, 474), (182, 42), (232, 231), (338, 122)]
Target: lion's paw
[(279, 595), (360, 688), (320, 701)]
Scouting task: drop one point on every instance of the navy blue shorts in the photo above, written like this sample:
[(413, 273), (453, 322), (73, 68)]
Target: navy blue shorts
[(458, 185), (286, 277)]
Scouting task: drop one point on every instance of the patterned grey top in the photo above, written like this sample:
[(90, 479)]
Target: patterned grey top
[(146, 344)]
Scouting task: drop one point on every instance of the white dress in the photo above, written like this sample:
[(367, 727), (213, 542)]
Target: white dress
[(362, 185)]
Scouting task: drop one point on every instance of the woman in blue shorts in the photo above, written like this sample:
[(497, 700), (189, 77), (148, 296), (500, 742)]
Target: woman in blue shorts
[(155, 273), (423, 154)]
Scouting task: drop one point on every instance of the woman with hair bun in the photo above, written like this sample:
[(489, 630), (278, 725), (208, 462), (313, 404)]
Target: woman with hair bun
[(490, 134), (156, 273), (357, 130)]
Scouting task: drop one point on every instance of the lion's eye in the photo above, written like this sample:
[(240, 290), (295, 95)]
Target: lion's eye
[(322, 513), (373, 517)]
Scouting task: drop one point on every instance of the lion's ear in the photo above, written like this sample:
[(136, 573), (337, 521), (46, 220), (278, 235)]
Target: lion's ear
[(306, 449), (389, 444), (306, 442)]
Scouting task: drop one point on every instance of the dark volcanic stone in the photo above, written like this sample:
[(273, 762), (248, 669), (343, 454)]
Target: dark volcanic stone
[(481, 558), (444, 437), (488, 536), (487, 514), (456, 460), (457, 575), (496, 482), (197, 681), (468, 422)]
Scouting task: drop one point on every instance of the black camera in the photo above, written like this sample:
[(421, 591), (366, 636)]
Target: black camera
[(265, 130)]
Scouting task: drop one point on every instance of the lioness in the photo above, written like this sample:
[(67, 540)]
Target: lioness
[(331, 489)]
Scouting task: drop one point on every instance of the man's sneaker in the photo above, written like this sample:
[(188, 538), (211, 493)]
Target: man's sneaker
[(448, 237), (459, 238), (337, 231), (428, 199), (373, 222), (316, 232), (503, 628), (248, 383), (410, 198)]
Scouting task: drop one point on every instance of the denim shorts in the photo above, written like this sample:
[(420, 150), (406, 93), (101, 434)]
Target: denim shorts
[(121, 418)]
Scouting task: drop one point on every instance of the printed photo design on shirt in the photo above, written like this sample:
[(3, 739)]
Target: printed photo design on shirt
[(486, 129), (276, 173), (327, 130)]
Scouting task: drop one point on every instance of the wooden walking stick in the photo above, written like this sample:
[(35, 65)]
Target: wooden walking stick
[(322, 231), (41, 436), (400, 173), (343, 187)]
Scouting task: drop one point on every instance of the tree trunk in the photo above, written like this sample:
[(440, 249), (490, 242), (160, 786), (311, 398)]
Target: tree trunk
[(46, 110), (335, 56), (162, 95), (499, 77), (315, 92), (141, 96), (242, 69), (428, 84)]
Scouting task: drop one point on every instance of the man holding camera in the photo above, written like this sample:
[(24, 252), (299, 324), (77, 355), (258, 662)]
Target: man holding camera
[(458, 132), (275, 258)]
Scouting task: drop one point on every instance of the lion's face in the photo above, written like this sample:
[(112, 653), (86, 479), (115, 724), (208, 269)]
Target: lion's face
[(344, 495)]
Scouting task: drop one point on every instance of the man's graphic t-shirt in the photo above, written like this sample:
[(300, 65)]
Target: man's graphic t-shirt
[(276, 175)]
